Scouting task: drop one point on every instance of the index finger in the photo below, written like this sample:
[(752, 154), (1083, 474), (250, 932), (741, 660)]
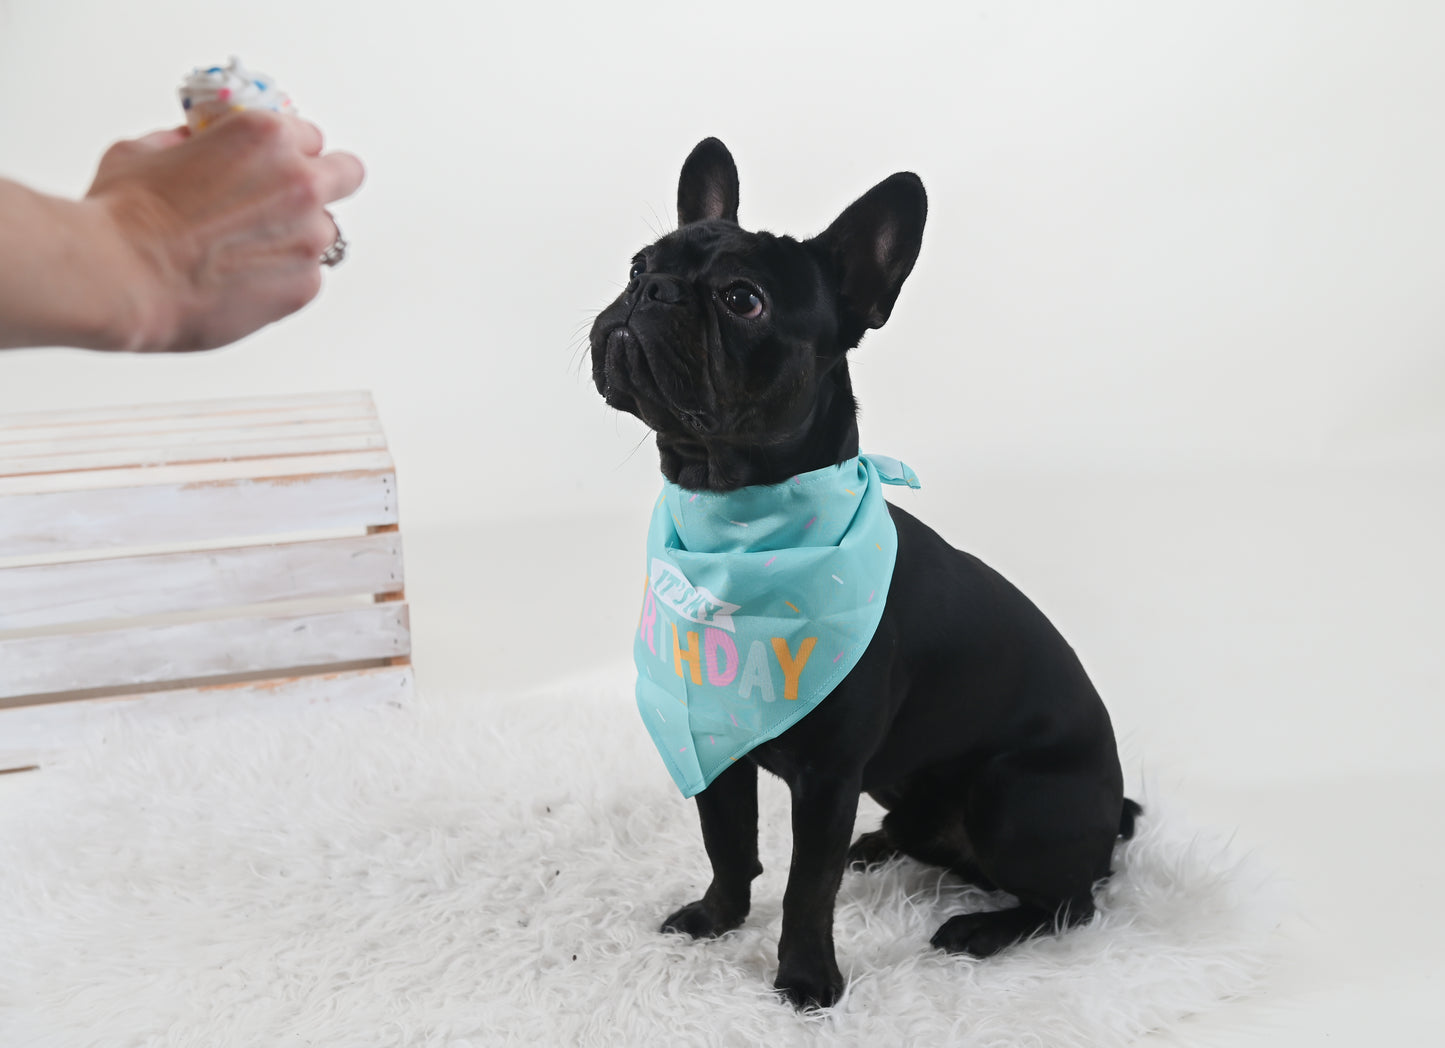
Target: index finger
[(305, 135), (339, 175)]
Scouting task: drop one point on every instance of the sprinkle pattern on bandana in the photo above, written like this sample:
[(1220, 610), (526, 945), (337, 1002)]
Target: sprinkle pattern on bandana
[(736, 620)]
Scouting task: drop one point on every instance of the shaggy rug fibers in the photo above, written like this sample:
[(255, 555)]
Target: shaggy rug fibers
[(494, 872)]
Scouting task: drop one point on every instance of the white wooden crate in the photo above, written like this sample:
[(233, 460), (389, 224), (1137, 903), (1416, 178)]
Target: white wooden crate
[(185, 555)]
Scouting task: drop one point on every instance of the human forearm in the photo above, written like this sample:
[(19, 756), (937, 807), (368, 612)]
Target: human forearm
[(182, 242), (67, 277)]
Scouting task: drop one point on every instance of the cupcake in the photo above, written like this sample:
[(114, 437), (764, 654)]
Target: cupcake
[(209, 94)]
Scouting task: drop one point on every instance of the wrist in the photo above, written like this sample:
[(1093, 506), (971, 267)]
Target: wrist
[(134, 313)]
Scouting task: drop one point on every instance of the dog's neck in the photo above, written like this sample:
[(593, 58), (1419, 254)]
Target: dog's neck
[(828, 436)]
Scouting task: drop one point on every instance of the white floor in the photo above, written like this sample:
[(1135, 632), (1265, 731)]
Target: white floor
[(1268, 643)]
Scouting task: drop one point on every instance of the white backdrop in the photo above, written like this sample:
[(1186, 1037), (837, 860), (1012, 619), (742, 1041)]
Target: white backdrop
[(1160, 234)]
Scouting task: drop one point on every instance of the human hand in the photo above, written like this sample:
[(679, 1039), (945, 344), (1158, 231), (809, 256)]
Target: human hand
[(222, 232)]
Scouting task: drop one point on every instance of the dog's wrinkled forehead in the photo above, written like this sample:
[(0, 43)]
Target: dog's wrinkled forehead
[(701, 248), (695, 249), (719, 251)]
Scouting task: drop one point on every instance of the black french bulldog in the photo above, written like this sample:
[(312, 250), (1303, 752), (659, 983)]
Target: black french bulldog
[(968, 717)]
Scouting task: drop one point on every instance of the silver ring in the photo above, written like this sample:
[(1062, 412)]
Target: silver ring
[(333, 255)]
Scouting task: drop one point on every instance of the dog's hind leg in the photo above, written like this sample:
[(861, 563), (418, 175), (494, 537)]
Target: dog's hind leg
[(923, 825), (875, 847), (1043, 836), (872, 849), (986, 933)]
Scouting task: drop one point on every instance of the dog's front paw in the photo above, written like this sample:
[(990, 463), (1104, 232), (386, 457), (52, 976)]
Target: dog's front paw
[(701, 921), (814, 987)]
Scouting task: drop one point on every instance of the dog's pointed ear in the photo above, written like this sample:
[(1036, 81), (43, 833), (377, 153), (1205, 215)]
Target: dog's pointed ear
[(708, 187), (872, 246)]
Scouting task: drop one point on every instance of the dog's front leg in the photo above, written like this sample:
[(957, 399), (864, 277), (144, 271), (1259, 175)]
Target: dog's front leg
[(728, 810), (824, 807)]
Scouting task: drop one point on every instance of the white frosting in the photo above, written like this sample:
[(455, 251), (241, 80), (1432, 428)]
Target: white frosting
[(208, 94)]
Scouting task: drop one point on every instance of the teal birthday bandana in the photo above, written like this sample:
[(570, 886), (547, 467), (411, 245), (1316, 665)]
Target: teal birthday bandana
[(757, 603)]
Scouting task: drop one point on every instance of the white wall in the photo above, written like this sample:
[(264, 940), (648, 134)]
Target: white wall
[(1161, 234)]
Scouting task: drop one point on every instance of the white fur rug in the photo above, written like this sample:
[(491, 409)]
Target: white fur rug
[(389, 877)]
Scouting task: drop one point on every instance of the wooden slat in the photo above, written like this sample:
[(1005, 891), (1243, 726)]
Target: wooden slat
[(139, 478), (155, 514), (32, 735), (213, 648), (194, 451), (181, 409), (163, 438), (112, 430), (45, 595), (197, 473)]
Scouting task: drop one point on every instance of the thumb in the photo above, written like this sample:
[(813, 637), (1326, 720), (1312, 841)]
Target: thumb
[(158, 140), (128, 149)]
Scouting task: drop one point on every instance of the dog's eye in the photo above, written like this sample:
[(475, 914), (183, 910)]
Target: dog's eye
[(638, 268), (743, 300)]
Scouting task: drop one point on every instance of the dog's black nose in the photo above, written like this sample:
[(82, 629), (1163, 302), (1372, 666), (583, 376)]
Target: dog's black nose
[(660, 288)]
